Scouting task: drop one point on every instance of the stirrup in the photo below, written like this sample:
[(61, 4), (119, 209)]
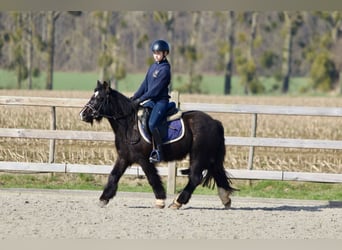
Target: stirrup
[(155, 156)]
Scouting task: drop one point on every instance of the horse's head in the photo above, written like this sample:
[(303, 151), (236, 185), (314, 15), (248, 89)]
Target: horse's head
[(97, 106)]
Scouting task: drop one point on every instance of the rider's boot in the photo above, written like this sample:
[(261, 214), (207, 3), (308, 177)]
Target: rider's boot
[(156, 154)]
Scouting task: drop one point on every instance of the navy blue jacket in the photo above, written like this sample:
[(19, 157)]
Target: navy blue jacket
[(156, 83)]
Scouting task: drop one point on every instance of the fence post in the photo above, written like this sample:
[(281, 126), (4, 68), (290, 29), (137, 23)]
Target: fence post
[(52, 141), (171, 177), (251, 148), (172, 169)]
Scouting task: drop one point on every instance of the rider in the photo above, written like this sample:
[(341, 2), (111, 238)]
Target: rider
[(155, 89)]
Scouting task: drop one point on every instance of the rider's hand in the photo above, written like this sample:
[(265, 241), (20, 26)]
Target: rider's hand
[(136, 103)]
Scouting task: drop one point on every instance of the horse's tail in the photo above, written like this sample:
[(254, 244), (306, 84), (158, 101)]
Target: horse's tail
[(216, 169)]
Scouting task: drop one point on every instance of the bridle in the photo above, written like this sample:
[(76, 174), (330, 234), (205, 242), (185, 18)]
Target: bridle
[(96, 114)]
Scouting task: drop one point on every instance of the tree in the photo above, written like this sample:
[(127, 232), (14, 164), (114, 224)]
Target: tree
[(225, 48), (274, 50), (139, 35), (167, 19), (1, 43), (51, 18), (246, 65), (111, 65), (269, 53), (21, 41), (17, 45), (334, 22), (229, 52), (191, 56), (324, 70), (292, 21), (29, 27)]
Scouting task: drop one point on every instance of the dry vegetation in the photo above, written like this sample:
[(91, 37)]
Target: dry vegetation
[(83, 152)]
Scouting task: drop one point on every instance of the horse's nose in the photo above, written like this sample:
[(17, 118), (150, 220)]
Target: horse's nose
[(82, 115)]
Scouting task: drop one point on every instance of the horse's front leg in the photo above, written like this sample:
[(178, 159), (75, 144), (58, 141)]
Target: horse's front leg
[(154, 180), (112, 183)]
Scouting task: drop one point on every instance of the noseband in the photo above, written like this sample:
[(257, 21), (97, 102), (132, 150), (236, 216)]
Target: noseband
[(96, 112)]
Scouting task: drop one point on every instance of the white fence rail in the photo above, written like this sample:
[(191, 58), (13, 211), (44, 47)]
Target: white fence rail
[(170, 170)]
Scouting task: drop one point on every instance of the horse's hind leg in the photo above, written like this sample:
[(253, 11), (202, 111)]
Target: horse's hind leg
[(223, 187), (195, 178), (224, 196)]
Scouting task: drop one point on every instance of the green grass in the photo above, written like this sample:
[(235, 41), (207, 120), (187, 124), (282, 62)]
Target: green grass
[(86, 81), (292, 190), (262, 189)]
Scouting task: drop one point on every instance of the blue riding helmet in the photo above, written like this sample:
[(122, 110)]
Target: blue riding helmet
[(160, 45)]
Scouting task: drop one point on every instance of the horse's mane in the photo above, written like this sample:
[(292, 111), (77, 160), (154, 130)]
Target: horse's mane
[(122, 104)]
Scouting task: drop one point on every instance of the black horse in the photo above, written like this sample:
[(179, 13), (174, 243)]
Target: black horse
[(203, 140)]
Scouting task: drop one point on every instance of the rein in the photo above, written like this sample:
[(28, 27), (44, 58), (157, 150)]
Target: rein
[(96, 112), (115, 118)]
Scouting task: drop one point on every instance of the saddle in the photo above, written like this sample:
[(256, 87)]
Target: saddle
[(171, 129)]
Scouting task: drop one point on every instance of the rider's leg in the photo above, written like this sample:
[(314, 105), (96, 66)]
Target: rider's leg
[(156, 117), (157, 153)]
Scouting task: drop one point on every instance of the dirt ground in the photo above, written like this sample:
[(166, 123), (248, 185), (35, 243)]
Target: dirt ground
[(65, 214)]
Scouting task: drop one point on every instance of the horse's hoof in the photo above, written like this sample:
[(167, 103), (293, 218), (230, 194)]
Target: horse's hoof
[(103, 203), (175, 205), (224, 196), (228, 204), (159, 204), (159, 207)]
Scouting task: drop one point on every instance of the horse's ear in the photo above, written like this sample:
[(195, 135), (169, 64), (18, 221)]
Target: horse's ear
[(106, 85), (98, 83)]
